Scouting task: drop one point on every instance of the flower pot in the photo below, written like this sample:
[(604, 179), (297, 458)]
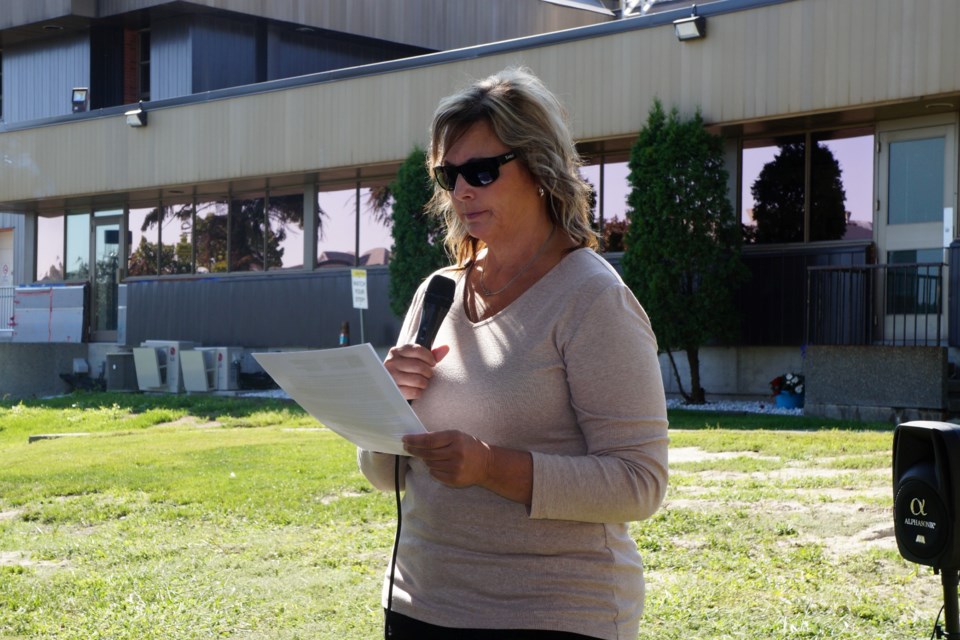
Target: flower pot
[(789, 400)]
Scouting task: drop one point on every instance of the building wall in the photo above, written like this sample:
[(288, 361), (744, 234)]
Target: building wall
[(779, 60), (171, 59), (38, 77), (432, 24)]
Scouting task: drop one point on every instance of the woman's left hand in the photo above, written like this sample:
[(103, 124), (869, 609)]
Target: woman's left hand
[(453, 457), (458, 459)]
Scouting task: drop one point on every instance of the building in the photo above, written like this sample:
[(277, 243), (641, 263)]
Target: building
[(199, 170)]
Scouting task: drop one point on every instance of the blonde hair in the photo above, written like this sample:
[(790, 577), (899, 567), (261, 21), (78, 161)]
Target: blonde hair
[(530, 120)]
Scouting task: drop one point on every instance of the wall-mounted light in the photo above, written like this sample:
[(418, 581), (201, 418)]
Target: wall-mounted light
[(692, 28), (79, 99), (136, 117)]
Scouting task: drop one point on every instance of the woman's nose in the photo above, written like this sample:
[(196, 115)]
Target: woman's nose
[(462, 189)]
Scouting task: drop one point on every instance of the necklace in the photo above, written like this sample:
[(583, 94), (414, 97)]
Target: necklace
[(487, 293)]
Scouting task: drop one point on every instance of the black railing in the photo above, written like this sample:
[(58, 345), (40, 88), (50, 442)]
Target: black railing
[(773, 300), (889, 304)]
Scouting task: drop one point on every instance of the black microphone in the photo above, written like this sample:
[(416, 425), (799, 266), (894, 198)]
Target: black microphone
[(436, 304)]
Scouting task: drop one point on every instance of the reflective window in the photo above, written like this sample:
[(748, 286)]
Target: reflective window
[(285, 219), (143, 234), (249, 250), (916, 181), (210, 236), (841, 188), (612, 203), (176, 238), (78, 247), (50, 248), (376, 228), (336, 228)]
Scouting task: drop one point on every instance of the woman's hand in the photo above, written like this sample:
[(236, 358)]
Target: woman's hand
[(453, 457), (411, 367), (458, 459)]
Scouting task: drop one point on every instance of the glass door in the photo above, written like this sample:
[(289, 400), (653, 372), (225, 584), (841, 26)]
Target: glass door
[(105, 277), (915, 224)]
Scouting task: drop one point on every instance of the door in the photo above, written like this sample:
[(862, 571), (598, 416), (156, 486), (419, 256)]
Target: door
[(105, 276), (916, 196)]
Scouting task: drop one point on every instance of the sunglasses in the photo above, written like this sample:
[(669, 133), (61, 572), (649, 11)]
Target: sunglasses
[(477, 173)]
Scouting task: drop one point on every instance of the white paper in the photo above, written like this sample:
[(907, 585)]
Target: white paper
[(348, 390)]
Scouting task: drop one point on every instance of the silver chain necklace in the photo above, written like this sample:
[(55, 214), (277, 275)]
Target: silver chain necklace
[(487, 293)]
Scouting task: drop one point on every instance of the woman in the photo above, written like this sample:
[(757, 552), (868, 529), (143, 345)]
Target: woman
[(543, 399)]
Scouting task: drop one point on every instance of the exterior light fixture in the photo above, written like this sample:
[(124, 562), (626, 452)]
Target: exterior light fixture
[(136, 117), (692, 28)]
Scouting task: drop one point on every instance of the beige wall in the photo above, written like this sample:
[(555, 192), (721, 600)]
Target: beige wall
[(797, 58)]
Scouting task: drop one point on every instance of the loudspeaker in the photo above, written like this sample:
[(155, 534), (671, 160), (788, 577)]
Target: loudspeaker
[(926, 490)]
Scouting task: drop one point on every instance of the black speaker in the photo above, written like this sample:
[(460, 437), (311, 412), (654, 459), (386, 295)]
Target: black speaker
[(926, 490)]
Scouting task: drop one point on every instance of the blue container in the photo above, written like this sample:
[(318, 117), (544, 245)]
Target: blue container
[(789, 400)]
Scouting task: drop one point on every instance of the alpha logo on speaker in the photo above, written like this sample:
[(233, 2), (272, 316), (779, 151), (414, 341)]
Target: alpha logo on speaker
[(918, 507)]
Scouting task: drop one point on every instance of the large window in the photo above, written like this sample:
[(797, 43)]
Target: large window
[(774, 189), (210, 236), (77, 263), (611, 187), (143, 233), (285, 229), (50, 245), (347, 225)]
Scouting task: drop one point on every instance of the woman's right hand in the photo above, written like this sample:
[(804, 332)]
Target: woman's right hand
[(411, 366)]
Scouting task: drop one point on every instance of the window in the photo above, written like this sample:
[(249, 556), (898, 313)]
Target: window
[(338, 225), (143, 65), (50, 242), (773, 207), (142, 227), (210, 236), (285, 234), (78, 247), (611, 204)]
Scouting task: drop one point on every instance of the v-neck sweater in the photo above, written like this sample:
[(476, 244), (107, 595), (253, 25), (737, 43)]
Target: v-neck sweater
[(569, 372)]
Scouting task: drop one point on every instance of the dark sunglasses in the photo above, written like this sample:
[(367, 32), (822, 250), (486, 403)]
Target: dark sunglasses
[(477, 173)]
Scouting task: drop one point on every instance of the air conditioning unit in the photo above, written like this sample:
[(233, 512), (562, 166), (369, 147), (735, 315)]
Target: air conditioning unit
[(226, 367), (171, 350)]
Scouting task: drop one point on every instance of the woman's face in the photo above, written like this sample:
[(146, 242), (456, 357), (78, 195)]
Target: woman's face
[(501, 209)]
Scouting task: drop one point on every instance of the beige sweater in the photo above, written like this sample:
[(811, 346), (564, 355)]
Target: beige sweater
[(568, 371)]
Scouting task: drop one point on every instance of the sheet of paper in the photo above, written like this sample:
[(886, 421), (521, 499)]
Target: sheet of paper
[(348, 390)]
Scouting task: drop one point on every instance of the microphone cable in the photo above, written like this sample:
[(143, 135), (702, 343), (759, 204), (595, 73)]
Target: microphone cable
[(396, 544)]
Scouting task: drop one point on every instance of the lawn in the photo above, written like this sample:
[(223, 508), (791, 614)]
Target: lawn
[(182, 517)]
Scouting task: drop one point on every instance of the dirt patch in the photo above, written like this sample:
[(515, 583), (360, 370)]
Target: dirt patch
[(22, 559), (192, 421), (10, 515), (680, 455)]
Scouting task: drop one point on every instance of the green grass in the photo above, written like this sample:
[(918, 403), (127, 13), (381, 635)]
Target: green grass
[(182, 517)]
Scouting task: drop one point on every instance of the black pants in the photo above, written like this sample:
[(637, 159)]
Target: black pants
[(401, 627)]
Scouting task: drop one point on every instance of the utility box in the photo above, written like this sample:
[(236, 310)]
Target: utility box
[(226, 365), (121, 373), (171, 354)]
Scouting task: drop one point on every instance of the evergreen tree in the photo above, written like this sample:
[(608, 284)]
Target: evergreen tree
[(417, 237), (682, 257)]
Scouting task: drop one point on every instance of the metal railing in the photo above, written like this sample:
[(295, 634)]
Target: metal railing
[(888, 304), (6, 308)]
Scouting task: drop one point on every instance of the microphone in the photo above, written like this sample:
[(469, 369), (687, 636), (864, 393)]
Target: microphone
[(436, 304)]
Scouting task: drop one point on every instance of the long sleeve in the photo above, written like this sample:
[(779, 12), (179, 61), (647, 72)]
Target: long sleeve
[(617, 393)]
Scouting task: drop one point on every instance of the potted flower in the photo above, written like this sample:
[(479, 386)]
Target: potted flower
[(788, 390)]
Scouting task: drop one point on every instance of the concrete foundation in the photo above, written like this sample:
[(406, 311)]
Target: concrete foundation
[(33, 370)]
